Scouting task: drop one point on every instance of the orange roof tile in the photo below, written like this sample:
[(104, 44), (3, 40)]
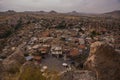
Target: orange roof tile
[(74, 52)]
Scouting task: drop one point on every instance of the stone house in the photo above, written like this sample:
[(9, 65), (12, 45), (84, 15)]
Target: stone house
[(56, 50)]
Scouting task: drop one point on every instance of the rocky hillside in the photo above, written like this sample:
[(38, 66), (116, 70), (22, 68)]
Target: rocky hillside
[(104, 61)]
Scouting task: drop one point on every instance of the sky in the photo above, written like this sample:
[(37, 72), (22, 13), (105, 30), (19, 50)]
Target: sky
[(86, 6)]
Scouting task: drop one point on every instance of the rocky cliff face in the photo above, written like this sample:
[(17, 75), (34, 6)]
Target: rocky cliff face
[(104, 61)]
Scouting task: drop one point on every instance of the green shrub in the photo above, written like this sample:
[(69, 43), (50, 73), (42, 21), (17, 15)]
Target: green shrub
[(31, 73)]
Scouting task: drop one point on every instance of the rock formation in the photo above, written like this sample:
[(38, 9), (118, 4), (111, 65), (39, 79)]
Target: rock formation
[(104, 60), (11, 65)]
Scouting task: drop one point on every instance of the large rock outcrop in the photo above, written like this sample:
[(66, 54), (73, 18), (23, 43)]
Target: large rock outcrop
[(104, 61), (16, 58), (11, 65)]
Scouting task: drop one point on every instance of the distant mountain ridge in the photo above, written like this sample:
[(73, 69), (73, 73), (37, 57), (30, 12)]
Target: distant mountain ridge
[(117, 13)]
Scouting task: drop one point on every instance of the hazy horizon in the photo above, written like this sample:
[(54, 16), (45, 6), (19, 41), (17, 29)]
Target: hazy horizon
[(86, 6)]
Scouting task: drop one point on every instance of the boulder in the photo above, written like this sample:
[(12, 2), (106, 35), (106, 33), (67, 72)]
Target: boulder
[(104, 61)]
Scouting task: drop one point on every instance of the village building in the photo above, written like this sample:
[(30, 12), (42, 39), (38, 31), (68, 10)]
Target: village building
[(56, 50), (74, 52), (36, 46), (43, 50), (81, 41)]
